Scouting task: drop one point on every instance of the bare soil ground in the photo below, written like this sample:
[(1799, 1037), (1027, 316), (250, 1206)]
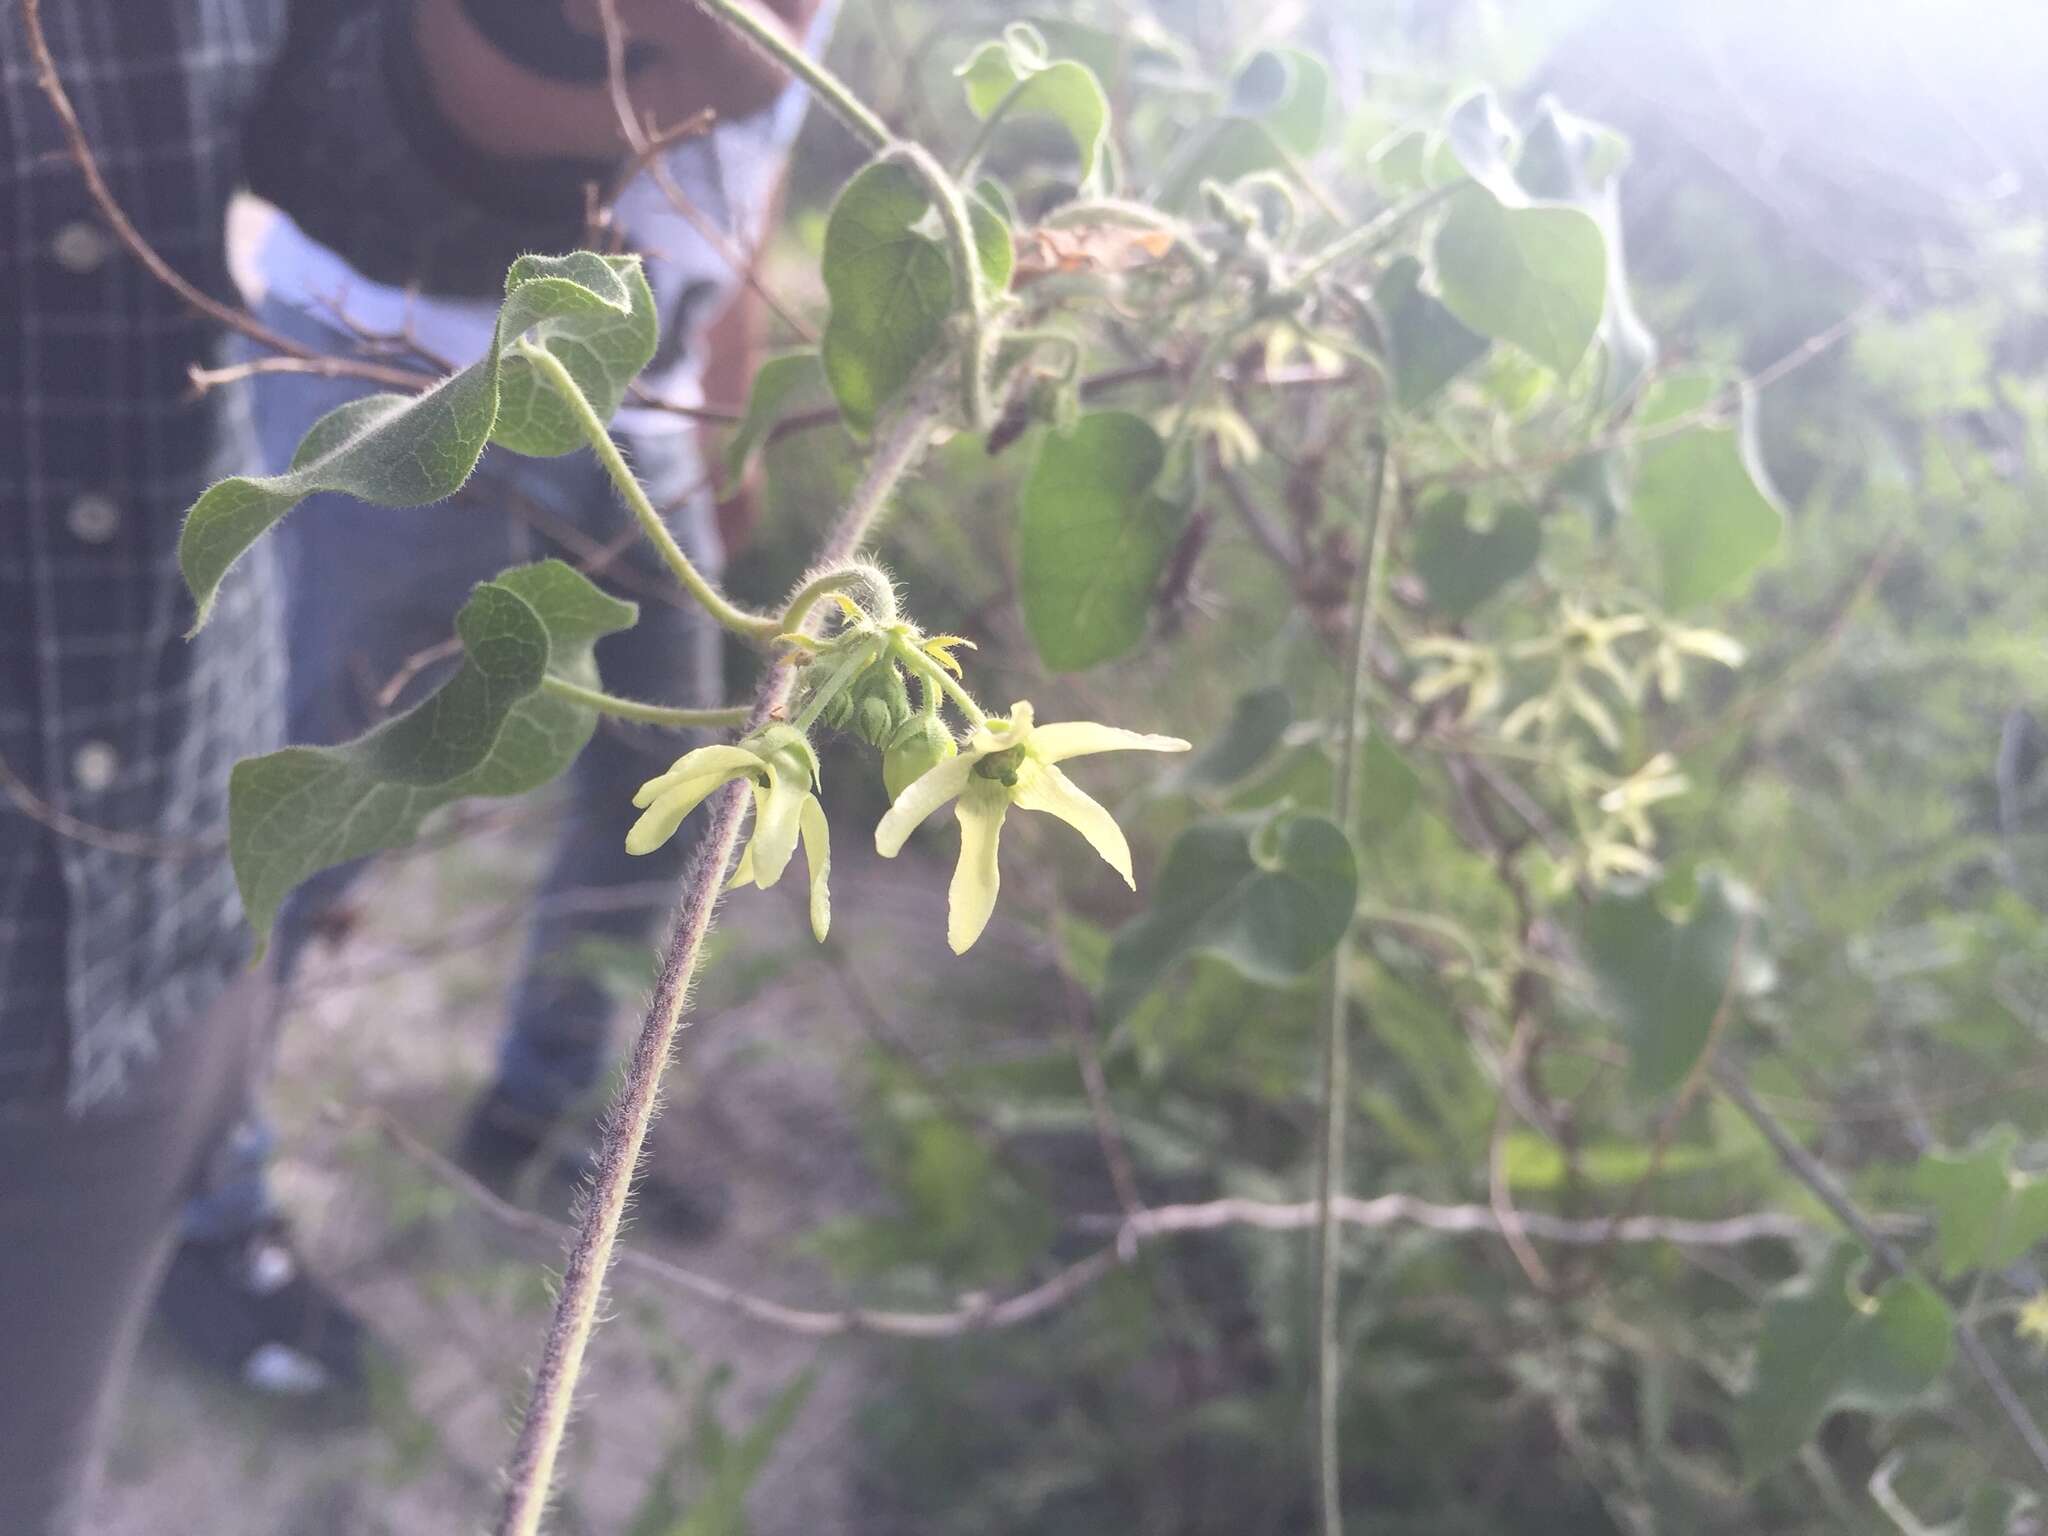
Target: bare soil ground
[(399, 1019)]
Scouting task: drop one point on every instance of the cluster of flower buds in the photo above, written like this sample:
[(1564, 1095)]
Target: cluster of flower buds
[(860, 682)]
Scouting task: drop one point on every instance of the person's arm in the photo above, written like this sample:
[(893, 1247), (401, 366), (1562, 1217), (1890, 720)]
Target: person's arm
[(683, 62)]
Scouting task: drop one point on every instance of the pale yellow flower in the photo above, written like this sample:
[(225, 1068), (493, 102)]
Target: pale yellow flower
[(1005, 763), (783, 773)]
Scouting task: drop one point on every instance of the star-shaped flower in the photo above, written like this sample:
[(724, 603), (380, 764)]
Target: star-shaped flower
[(783, 772), (1005, 763)]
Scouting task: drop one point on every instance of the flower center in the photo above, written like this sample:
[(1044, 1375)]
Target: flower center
[(1002, 766)]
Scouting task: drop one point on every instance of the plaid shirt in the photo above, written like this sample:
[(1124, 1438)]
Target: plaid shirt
[(119, 922)]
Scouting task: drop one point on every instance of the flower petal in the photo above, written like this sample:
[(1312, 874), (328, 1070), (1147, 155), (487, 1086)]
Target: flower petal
[(724, 762), (972, 896), (778, 813), (1077, 738), (818, 855), (743, 872), (658, 824), (1053, 792), (920, 797)]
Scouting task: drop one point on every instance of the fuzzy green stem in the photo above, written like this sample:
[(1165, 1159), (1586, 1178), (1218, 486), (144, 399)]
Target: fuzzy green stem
[(825, 85), (970, 290), (842, 578), (646, 714), (1336, 1026), (531, 1470), (972, 159), (1371, 234), (931, 673), (757, 628)]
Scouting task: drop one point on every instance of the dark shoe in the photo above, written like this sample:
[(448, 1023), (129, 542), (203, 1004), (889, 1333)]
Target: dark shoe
[(501, 1142), (245, 1307)]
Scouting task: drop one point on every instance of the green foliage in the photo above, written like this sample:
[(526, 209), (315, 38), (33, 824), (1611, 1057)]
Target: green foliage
[(1270, 896), (721, 1470), (487, 730), (1427, 346), (1462, 566), (782, 386), (1014, 76), (593, 313), (1275, 293), (1535, 276), (1092, 538), (1703, 498), (1824, 1348), (1665, 978), (892, 285), (1987, 1213)]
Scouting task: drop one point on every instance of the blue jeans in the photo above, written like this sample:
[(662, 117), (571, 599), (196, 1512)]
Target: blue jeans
[(366, 588)]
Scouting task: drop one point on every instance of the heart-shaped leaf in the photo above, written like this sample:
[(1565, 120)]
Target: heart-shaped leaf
[(1665, 979), (1703, 497), (891, 284), (488, 730), (1535, 276), (1271, 896), (1092, 539), (594, 313), (1288, 91), (1572, 159), (1823, 1348), (1987, 1214), (1462, 565), (781, 385), (1257, 722), (1014, 76), (1427, 345)]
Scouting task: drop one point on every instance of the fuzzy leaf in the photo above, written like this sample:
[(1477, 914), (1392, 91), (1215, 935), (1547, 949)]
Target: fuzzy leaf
[(1535, 276), (592, 312), (1463, 566), (1092, 539), (891, 285), (1016, 71), (1271, 896), (487, 730), (1987, 1214), (1820, 1350), (1703, 497), (780, 385), (1664, 979), (1427, 345)]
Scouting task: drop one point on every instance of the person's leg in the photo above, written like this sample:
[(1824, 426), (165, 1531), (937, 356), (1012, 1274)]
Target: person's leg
[(595, 894), (365, 589), (88, 1210)]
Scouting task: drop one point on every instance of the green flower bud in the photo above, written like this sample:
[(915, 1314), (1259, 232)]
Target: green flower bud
[(920, 745), (882, 704)]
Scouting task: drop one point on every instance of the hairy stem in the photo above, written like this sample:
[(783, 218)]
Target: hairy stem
[(970, 290), (757, 628), (1336, 1026), (843, 578), (1370, 235), (647, 714), (826, 86), (1814, 1174), (530, 1472)]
